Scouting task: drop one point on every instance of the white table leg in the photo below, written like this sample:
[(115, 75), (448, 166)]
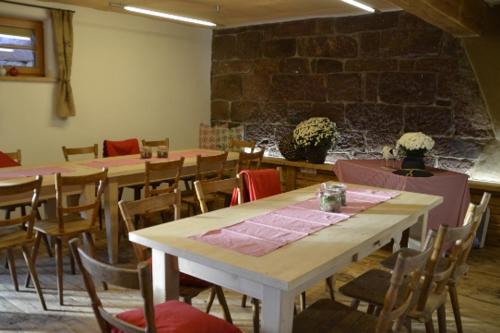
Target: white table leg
[(111, 213), (277, 311), (396, 245), (424, 219), (165, 277)]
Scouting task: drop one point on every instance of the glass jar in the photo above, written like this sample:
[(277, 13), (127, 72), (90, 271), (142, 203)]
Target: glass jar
[(340, 187), (330, 200), (162, 152), (146, 152)]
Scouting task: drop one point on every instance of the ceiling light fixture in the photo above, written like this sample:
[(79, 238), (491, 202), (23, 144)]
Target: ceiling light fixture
[(359, 5), (14, 37), (2, 49), (168, 16)]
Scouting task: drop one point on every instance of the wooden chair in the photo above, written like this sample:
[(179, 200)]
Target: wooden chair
[(240, 145), (72, 221), (207, 168), (190, 287), (156, 143), (152, 318), (18, 232), (250, 160), (371, 286), (330, 316), (159, 172), (67, 152)]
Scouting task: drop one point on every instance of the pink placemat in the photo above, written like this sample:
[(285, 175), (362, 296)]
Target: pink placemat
[(31, 172), (263, 234), (172, 156)]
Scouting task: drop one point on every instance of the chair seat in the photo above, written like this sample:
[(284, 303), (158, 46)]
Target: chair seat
[(327, 316), (389, 262), (73, 224), (178, 317), (13, 239)]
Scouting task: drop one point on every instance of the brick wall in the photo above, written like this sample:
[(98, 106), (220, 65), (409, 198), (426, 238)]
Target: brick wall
[(377, 76)]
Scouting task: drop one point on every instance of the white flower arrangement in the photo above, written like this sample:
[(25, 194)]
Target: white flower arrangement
[(415, 143), (314, 131), (388, 153)]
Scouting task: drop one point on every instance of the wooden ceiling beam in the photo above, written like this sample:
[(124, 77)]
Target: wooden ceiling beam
[(462, 18)]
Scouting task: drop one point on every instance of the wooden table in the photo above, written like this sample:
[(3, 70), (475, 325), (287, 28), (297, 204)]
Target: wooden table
[(275, 278), (118, 176)]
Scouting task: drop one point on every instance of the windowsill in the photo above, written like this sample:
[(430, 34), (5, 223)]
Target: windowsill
[(28, 78)]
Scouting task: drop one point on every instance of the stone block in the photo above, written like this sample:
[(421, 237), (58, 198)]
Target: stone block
[(436, 64), (375, 117), (249, 45), (411, 22), (367, 22), (325, 26), (432, 120), (376, 140), (244, 111), (326, 66), (394, 43), (260, 133), (272, 113), (226, 87), (332, 46), (455, 164), (224, 67), (350, 141), (224, 47), (295, 66), (371, 65), (298, 87), (407, 88), (266, 65), (458, 148), (220, 110), (333, 111), (298, 111), (344, 87), (371, 87), (367, 156), (294, 28), (279, 48), (424, 42), (369, 44), (256, 87), (406, 65)]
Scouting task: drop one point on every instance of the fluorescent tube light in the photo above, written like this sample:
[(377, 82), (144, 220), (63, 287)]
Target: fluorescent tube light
[(14, 37), (168, 16), (359, 5), (2, 49)]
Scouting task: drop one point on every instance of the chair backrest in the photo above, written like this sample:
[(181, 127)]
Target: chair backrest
[(206, 187), (240, 145), (248, 161), (438, 271), (67, 152), (25, 189), (120, 148), (16, 156), (407, 269), (91, 188), (147, 206), (161, 171), (139, 278), (210, 167), (155, 143)]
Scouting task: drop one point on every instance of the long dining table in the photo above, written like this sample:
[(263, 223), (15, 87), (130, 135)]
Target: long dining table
[(277, 277), (122, 171)]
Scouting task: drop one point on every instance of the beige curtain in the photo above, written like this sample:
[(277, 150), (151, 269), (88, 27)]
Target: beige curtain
[(62, 24)]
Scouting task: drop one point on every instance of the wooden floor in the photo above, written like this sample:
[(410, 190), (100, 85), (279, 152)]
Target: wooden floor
[(20, 311)]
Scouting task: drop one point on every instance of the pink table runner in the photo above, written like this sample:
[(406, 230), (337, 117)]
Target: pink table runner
[(108, 163), (265, 233), (452, 186), (31, 172)]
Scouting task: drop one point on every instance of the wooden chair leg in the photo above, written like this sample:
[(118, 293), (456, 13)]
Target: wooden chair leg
[(355, 304), (34, 275), (429, 326), (222, 301), (303, 304), (244, 301), (256, 315), (452, 289), (59, 269), (211, 298), (330, 282), (441, 312), (72, 265), (12, 268), (34, 256)]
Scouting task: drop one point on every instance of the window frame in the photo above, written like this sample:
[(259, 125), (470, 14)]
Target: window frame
[(39, 49)]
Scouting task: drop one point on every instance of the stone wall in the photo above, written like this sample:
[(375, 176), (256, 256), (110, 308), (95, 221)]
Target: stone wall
[(377, 76)]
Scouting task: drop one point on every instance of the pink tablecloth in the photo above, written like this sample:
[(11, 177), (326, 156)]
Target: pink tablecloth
[(452, 186), (31, 172), (265, 233)]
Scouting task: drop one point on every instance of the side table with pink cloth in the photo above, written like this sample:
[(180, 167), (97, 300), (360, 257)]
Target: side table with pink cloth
[(452, 186)]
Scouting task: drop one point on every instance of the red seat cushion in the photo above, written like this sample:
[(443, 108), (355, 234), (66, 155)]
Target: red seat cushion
[(120, 148), (6, 161), (188, 280), (175, 316), (258, 184)]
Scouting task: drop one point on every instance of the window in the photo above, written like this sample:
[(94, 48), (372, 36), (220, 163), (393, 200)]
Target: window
[(21, 45)]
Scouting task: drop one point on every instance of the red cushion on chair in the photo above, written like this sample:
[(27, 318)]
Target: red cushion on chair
[(258, 184), (188, 280), (175, 316), (6, 161), (120, 148)]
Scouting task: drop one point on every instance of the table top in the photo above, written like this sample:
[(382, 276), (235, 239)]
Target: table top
[(295, 263)]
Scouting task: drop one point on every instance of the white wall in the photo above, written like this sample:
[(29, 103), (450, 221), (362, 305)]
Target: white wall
[(132, 77)]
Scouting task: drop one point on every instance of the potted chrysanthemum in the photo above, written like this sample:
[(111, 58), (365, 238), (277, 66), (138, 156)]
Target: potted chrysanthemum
[(413, 147), (315, 135)]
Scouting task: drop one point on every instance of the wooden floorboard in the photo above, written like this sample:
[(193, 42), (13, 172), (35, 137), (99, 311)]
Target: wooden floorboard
[(20, 311)]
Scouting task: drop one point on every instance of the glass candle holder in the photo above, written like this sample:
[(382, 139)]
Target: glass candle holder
[(342, 188), (330, 200), (162, 152), (146, 152)]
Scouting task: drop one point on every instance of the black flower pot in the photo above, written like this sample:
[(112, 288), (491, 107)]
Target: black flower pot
[(413, 162), (317, 154)]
